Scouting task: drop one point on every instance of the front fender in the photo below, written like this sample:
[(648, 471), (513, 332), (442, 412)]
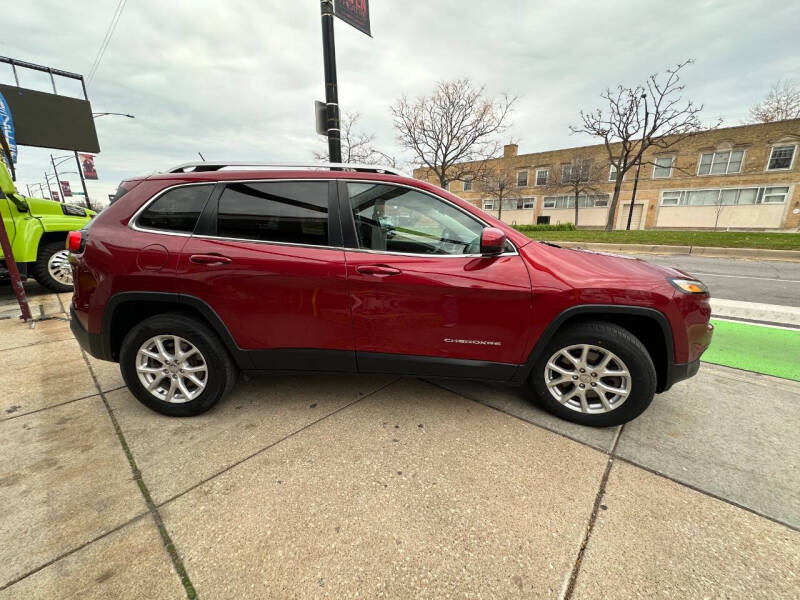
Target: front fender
[(26, 242)]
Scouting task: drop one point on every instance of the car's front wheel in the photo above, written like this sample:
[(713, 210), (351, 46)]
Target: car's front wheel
[(176, 365), (52, 268), (597, 374)]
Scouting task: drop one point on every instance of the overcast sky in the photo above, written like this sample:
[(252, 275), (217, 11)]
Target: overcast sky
[(236, 79)]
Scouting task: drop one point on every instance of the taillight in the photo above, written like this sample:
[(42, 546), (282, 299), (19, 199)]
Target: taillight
[(75, 242)]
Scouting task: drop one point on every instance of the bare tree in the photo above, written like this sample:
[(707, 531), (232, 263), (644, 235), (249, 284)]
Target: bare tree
[(357, 146), (579, 177), (500, 184), (782, 102), (627, 134), (454, 126)]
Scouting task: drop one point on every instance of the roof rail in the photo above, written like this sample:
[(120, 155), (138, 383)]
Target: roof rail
[(197, 167)]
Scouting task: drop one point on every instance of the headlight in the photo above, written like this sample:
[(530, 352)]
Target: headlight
[(72, 211), (689, 286)]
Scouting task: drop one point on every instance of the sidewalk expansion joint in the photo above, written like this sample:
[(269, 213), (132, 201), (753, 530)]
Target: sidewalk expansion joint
[(612, 453), (169, 545), (275, 443), (71, 551), (569, 588)]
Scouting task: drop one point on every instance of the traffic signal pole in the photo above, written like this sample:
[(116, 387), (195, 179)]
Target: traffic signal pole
[(331, 86)]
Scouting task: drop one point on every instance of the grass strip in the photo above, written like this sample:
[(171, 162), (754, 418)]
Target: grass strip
[(713, 239)]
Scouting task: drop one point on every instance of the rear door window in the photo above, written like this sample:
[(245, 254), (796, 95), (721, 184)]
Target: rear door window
[(176, 210), (289, 212)]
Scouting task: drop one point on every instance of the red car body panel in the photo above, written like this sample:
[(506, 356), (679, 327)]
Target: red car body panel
[(441, 306), (270, 296), (273, 296)]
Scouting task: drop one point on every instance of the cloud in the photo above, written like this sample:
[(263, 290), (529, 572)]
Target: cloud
[(237, 79)]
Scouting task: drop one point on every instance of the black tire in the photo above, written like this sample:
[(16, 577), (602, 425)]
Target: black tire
[(221, 371), (41, 272), (605, 336)]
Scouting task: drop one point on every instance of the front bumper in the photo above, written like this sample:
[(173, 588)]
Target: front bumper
[(680, 371)]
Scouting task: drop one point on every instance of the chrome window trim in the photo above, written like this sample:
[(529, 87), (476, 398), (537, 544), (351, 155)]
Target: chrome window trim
[(445, 200), (132, 222), (135, 227)]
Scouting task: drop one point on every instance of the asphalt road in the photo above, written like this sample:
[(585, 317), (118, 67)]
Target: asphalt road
[(768, 282)]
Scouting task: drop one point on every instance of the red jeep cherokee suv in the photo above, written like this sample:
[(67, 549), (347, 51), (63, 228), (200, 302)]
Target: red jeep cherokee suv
[(209, 269)]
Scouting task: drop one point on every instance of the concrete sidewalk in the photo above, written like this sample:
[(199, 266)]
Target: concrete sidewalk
[(331, 487)]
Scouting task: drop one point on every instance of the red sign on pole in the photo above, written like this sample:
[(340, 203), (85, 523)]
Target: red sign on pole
[(87, 165), (65, 189), (354, 12)]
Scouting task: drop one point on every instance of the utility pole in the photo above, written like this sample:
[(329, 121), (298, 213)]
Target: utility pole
[(638, 166), (58, 179), (83, 181), (331, 89)]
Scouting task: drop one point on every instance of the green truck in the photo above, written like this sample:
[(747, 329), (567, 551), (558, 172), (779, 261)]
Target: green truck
[(37, 229)]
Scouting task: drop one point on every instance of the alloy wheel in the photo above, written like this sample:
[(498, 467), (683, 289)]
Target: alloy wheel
[(171, 368), (59, 268), (588, 379)]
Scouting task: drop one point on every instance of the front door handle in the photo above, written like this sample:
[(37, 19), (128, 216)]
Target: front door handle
[(380, 270), (209, 259)]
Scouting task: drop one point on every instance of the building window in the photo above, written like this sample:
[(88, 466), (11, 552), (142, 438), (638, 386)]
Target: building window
[(780, 159), (468, 185), (725, 197), (663, 167), (612, 173), (447, 186), (584, 201), (488, 205), (775, 195), (541, 176), (720, 163), (522, 178), (528, 203), (576, 172)]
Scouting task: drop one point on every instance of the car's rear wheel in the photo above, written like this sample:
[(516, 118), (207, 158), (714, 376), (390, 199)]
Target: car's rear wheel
[(596, 374), (176, 365), (52, 268)]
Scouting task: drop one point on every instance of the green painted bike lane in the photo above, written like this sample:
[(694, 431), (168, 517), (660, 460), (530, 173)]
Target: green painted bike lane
[(763, 349)]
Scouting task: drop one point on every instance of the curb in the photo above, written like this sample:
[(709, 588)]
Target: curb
[(706, 251), (752, 311)]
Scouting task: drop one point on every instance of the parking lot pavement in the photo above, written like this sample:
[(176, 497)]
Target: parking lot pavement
[(314, 486)]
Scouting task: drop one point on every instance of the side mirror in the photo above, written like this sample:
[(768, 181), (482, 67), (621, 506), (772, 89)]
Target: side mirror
[(493, 241)]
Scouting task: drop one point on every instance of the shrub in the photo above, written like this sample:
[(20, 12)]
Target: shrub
[(542, 227)]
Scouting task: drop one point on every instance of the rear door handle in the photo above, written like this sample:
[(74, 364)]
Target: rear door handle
[(209, 259), (380, 270)]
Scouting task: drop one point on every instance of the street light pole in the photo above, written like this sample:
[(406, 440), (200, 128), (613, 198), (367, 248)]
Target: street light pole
[(638, 166), (331, 86), (47, 181), (58, 179), (83, 181)]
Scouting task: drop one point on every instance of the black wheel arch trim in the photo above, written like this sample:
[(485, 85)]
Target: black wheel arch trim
[(599, 310), (240, 357)]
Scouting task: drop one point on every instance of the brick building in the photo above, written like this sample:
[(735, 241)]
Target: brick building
[(745, 177)]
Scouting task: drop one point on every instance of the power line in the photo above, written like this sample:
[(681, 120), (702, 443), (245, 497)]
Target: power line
[(106, 40)]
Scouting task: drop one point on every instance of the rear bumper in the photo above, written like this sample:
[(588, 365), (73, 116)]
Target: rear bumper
[(680, 371), (91, 342)]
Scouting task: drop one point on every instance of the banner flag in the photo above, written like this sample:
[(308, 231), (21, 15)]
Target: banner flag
[(7, 123)]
